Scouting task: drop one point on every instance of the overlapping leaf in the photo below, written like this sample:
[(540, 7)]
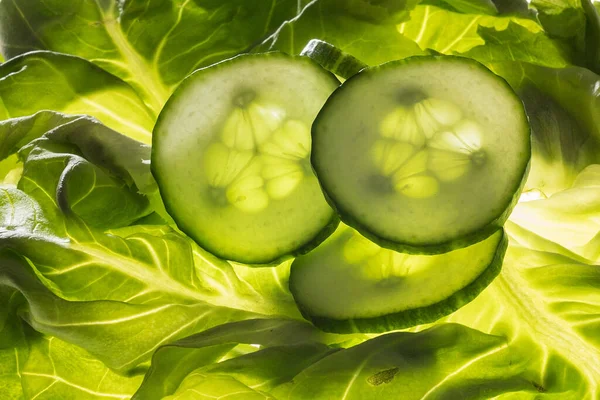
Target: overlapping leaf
[(49, 81), (517, 43), (448, 361), (14, 349), (57, 369), (152, 45), (575, 22), (447, 32), (563, 106), (203, 357), (366, 29), (547, 302)]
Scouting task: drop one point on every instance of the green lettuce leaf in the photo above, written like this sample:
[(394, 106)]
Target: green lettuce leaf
[(514, 7), (405, 29), (577, 22), (447, 361), (517, 43), (294, 344), (563, 106), (81, 166), (592, 35), (96, 316), (546, 301), (561, 18), (50, 81), (467, 6), (569, 218), (56, 369), (366, 29), (152, 45), (446, 32), (14, 349), (34, 366)]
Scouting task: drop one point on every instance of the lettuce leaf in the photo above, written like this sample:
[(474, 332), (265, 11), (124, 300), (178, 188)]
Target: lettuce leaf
[(563, 106), (446, 361), (517, 43), (546, 302), (367, 29), (44, 80), (55, 368), (446, 31), (152, 45)]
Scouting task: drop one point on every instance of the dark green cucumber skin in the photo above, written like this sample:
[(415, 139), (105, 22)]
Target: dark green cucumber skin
[(476, 236), (185, 226), (415, 316)]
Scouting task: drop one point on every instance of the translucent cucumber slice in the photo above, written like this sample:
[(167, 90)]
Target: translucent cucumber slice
[(231, 155), (350, 284), (423, 155)]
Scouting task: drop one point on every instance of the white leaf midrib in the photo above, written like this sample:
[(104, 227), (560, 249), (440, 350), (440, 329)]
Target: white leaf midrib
[(149, 81), (158, 281), (151, 277)]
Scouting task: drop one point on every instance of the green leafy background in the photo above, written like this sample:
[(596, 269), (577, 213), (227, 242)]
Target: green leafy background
[(98, 301)]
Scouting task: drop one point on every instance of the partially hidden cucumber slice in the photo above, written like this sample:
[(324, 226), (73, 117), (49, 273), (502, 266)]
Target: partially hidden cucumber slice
[(333, 59), (349, 284), (423, 155), (231, 157)]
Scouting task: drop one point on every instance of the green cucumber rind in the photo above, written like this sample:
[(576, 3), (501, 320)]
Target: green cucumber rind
[(309, 243), (413, 317), (476, 236), (333, 59)]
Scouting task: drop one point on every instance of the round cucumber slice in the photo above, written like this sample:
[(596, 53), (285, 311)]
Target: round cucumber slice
[(350, 284), (231, 155), (423, 155)]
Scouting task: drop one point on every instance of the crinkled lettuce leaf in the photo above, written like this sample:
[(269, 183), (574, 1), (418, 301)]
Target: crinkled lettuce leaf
[(14, 349), (447, 32), (447, 361), (152, 45), (43, 80), (291, 346), (569, 218), (366, 29), (577, 23), (517, 43), (57, 369), (546, 301), (403, 29), (563, 106), (468, 6)]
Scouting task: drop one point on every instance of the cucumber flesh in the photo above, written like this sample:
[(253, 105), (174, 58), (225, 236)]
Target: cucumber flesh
[(423, 155), (231, 157), (349, 284)]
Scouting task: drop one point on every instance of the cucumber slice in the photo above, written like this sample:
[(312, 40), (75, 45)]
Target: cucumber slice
[(423, 155), (350, 284), (231, 157)]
